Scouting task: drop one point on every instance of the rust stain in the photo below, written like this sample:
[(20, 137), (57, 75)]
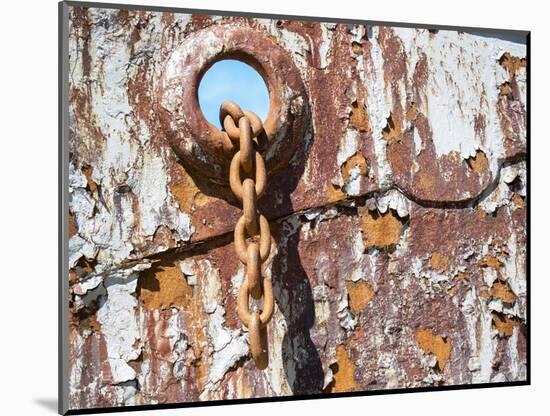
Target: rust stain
[(358, 117), (136, 364), (163, 286), (392, 131), (504, 324), (243, 386), (360, 294), (86, 318), (87, 171), (512, 63), (335, 193), (490, 261), (163, 237), (505, 89), (357, 48), (436, 345), (424, 180), (411, 112), (72, 225), (518, 201), (430, 177), (355, 161), (503, 292), (480, 124), (86, 266), (421, 73), (186, 192), (439, 261), (380, 230), (479, 163), (344, 372)]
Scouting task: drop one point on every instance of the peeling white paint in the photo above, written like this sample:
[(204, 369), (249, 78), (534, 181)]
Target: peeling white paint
[(228, 346), (481, 341), (395, 200), (322, 305), (348, 320), (389, 371), (463, 83), (325, 46), (514, 267), (379, 105), (290, 41), (119, 326), (107, 222), (502, 195)]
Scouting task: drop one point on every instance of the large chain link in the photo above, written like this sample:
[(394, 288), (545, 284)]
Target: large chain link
[(243, 127)]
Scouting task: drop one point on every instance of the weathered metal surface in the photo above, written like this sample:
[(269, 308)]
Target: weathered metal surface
[(399, 224)]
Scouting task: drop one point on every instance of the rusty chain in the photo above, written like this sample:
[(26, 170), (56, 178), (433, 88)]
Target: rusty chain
[(242, 128)]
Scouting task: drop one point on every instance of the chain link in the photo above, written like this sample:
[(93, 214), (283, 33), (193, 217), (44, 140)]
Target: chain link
[(243, 127)]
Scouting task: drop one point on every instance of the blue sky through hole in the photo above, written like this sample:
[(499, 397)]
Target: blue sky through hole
[(235, 81)]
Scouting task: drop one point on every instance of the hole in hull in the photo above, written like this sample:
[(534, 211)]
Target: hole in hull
[(236, 81)]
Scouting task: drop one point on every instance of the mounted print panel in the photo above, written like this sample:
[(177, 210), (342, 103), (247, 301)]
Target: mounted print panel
[(367, 233)]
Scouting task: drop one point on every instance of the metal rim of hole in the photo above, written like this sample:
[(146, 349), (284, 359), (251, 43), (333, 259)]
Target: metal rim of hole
[(198, 143)]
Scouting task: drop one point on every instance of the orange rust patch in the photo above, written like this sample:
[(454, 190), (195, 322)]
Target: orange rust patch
[(86, 266), (504, 324), (479, 163), (490, 261), (186, 192), (87, 320), (87, 171), (73, 277), (72, 225), (334, 193), (439, 261), (360, 294), (460, 276), (512, 63), (436, 345), (484, 294), (357, 48), (163, 286), (392, 131), (163, 237), (424, 181), (518, 201), (503, 292), (505, 89), (380, 230), (358, 117), (411, 112), (355, 161), (202, 199), (136, 364), (344, 372)]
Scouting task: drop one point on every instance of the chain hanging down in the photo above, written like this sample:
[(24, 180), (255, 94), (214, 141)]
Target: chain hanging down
[(242, 127)]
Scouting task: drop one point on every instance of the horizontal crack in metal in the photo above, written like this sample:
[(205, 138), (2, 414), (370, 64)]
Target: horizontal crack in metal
[(222, 239)]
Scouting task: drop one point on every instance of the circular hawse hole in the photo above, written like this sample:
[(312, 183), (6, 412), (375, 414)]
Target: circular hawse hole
[(235, 81)]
